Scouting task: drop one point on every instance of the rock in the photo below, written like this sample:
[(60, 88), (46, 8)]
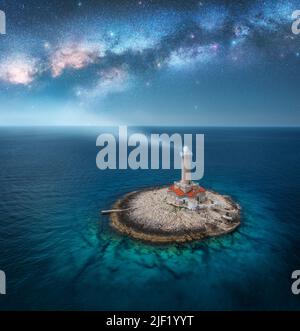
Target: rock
[(151, 218)]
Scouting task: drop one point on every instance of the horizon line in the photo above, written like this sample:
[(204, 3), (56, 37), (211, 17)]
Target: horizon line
[(144, 125)]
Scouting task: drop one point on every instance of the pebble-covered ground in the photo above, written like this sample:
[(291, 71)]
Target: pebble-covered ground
[(152, 212)]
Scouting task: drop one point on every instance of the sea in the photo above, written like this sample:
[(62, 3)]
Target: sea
[(59, 253)]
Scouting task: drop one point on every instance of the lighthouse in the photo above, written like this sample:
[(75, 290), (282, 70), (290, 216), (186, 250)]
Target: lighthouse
[(186, 192), (186, 165)]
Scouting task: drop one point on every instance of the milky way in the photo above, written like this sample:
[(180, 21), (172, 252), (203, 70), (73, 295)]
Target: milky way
[(90, 50)]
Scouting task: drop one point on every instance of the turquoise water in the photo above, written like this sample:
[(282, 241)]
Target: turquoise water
[(58, 252)]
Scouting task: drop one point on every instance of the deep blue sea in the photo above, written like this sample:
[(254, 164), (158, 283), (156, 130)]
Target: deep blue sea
[(59, 253)]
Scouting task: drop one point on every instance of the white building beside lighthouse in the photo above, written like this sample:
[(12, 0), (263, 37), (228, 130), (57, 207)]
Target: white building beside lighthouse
[(186, 192)]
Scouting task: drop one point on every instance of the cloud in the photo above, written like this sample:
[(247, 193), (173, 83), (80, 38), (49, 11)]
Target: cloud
[(74, 56), (20, 70)]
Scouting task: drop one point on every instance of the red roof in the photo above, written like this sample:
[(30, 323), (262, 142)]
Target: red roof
[(191, 194)]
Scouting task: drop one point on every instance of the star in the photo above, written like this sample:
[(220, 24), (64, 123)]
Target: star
[(47, 45), (215, 46)]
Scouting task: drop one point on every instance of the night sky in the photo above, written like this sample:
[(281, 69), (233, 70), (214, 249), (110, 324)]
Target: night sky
[(148, 62)]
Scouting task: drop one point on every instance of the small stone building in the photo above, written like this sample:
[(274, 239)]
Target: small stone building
[(192, 198)]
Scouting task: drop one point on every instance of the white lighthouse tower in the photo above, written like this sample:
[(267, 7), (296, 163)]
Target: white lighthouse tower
[(186, 192), (186, 165), (186, 184)]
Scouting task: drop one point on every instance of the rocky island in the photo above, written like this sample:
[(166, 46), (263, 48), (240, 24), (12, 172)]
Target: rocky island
[(182, 212)]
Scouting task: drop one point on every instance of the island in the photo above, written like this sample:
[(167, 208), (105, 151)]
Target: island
[(181, 212)]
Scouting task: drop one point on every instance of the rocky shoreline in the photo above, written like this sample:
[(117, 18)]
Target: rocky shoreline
[(149, 217)]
